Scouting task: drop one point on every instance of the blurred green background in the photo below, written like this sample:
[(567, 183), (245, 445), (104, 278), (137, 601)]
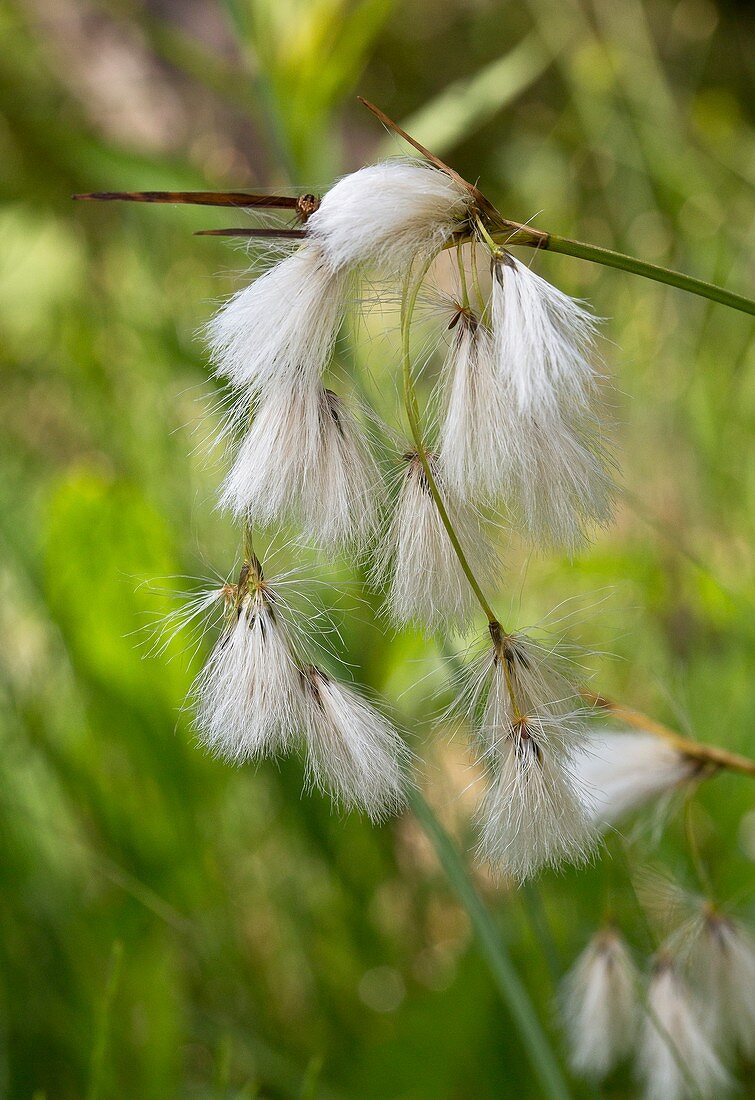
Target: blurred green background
[(170, 926)]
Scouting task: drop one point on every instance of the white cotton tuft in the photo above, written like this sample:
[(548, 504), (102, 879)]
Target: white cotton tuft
[(533, 814), (282, 327), (557, 482), (724, 964), (543, 338), (625, 770), (473, 447), (305, 459), (354, 753), (600, 1006), (249, 692), (675, 1058), (557, 467), (386, 214), (427, 584)]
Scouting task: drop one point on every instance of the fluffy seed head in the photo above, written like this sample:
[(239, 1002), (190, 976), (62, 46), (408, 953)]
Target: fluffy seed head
[(625, 770), (533, 814), (248, 694), (280, 329), (675, 1058), (473, 450), (386, 214), (427, 583), (600, 1005), (354, 753), (305, 459), (543, 339), (557, 464)]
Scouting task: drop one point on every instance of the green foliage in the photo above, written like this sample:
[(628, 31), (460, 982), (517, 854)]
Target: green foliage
[(174, 927)]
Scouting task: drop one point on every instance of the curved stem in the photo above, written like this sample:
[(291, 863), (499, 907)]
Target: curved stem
[(542, 1059)]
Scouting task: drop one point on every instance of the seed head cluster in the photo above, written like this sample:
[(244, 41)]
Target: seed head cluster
[(684, 1023), (517, 431)]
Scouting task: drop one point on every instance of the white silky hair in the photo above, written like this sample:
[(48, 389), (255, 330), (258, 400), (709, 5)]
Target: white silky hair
[(543, 338), (282, 326), (473, 450), (354, 753), (557, 483), (675, 1057), (600, 1005), (557, 461), (623, 771), (249, 692), (387, 214), (305, 458), (533, 814), (427, 584), (723, 962)]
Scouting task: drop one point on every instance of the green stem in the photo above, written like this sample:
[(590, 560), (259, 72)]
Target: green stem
[(608, 258), (412, 413), (534, 908), (544, 1064)]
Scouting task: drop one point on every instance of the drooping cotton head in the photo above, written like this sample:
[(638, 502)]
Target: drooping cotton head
[(557, 468), (600, 1005), (249, 697), (354, 753), (543, 339), (533, 813), (675, 1057), (304, 459), (281, 328), (473, 447), (342, 488), (427, 583), (722, 959), (623, 771), (387, 214)]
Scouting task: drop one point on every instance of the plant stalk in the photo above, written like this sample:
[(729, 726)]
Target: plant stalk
[(544, 1064)]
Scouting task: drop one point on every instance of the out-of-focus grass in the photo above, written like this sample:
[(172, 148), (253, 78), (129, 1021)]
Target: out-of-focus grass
[(265, 946)]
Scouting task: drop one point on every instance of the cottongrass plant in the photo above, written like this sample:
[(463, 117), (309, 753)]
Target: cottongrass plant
[(521, 428), (280, 330), (600, 1005), (248, 692)]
